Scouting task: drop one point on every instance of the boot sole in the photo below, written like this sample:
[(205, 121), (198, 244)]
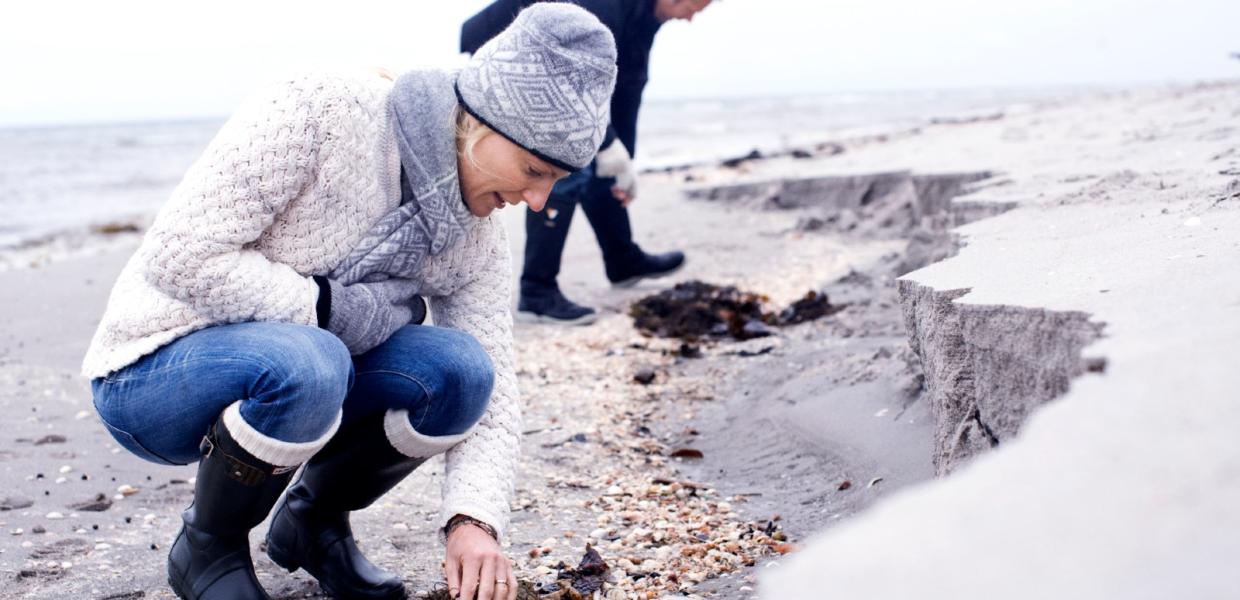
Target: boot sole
[(285, 561), (282, 559), (531, 317)]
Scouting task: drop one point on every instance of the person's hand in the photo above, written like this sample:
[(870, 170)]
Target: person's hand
[(364, 315), (475, 564), (614, 161), (621, 196)]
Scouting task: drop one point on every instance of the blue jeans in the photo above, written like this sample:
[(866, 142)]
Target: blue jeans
[(292, 381)]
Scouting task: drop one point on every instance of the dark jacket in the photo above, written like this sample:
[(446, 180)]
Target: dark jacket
[(633, 24)]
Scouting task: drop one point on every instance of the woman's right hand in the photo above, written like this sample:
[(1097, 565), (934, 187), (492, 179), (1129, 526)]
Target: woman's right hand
[(475, 565), (364, 315)]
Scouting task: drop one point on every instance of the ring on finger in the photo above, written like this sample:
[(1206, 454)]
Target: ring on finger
[(501, 582)]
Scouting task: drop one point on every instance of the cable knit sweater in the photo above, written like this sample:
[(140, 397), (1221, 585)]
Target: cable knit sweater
[(284, 192)]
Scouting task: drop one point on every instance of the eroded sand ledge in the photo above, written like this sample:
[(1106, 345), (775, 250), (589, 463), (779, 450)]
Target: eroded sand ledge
[(1111, 285)]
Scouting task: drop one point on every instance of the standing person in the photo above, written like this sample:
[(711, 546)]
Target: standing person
[(268, 318), (605, 189)]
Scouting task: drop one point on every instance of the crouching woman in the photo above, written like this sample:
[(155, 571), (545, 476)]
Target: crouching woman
[(269, 320)]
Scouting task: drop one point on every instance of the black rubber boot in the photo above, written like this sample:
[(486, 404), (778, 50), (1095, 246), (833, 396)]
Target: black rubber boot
[(234, 491), (310, 529), (646, 266)]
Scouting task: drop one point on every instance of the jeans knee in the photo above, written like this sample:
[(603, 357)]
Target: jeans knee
[(470, 374), (306, 370), (475, 375)]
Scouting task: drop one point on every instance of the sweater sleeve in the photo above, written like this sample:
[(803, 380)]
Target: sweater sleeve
[(196, 250), (481, 470)]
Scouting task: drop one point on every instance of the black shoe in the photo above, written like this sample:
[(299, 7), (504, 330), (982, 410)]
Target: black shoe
[(648, 266), (550, 306), (310, 529), (234, 491)]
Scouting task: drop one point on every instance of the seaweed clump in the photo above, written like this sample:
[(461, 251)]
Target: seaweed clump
[(693, 310)]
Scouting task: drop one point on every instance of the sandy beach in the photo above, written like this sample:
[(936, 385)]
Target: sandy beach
[(995, 408)]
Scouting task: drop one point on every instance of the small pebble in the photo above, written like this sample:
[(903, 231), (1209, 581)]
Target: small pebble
[(55, 516), (644, 376)]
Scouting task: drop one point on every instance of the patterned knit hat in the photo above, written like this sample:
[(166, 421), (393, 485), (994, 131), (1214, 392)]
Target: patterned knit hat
[(545, 83)]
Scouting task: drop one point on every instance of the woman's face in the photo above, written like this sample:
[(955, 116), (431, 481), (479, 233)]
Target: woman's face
[(504, 173)]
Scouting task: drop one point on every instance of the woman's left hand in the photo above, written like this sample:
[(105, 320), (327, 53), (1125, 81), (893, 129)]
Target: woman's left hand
[(475, 563)]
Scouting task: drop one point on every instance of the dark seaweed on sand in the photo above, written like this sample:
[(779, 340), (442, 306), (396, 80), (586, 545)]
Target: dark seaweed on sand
[(813, 306), (694, 310), (588, 577)]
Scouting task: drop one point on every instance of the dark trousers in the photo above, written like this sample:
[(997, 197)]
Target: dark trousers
[(546, 231)]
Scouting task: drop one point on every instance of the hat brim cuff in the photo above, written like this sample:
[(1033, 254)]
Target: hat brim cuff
[(473, 113)]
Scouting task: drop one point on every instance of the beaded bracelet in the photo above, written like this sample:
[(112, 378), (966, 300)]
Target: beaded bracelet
[(459, 520)]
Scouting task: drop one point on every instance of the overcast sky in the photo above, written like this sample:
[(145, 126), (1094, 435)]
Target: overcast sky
[(92, 61)]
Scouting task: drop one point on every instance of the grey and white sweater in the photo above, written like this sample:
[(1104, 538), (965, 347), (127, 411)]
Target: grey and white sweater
[(286, 191)]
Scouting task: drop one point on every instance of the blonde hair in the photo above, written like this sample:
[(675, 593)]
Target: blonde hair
[(469, 131)]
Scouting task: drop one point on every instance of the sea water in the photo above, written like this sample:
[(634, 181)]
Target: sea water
[(70, 180)]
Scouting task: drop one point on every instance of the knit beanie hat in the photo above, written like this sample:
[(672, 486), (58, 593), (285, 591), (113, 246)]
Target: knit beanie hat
[(545, 83)]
